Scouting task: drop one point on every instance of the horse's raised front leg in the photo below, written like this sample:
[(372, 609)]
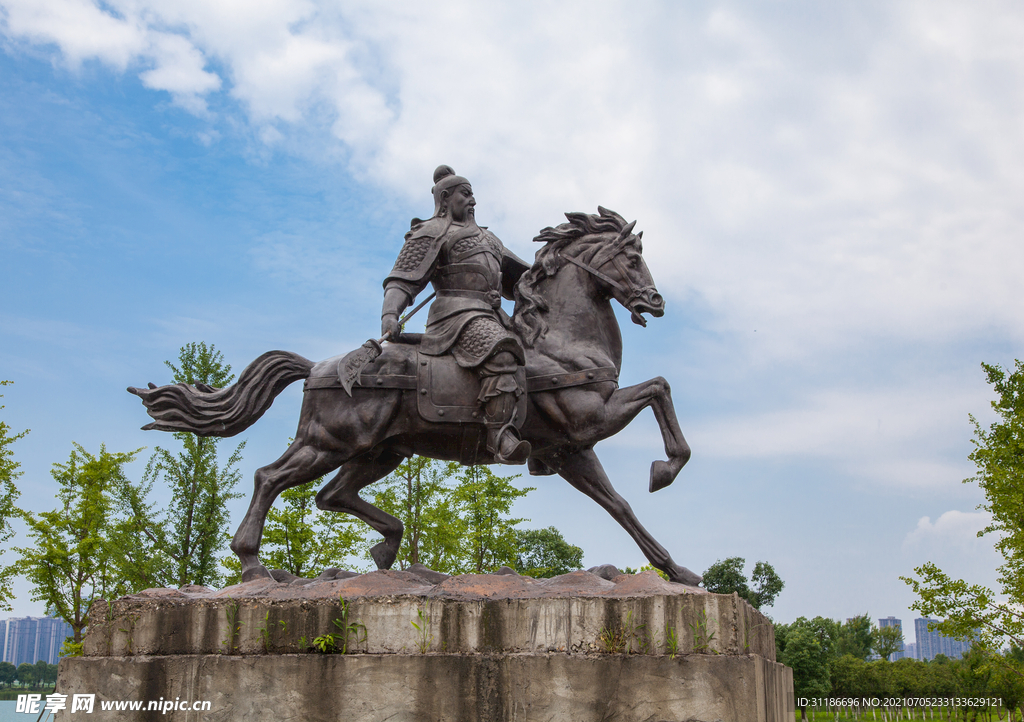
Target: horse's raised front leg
[(341, 494), (623, 406), (299, 464), (584, 471)]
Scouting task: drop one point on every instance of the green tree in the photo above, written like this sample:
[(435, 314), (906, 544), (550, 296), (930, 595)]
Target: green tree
[(804, 654), (68, 565), (846, 674), (885, 641), (456, 518), (303, 540), (419, 494), (9, 471), (974, 673), (137, 540), (726, 577), (483, 501), (545, 553), (855, 637), (194, 530), (973, 611), (8, 673), (26, 674), (1008, 684)]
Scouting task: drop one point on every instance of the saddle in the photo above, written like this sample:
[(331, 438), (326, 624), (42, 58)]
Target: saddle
[(446, 393)]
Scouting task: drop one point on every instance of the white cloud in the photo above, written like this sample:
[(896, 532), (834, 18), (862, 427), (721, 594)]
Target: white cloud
[(957, 530), (179, 70), (898, 438), (834, 185), (79, 28)]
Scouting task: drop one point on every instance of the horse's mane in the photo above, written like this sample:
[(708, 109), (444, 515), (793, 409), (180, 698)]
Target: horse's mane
[(527, 320)]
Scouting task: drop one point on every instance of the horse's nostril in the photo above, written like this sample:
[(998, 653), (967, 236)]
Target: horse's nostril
[(657, 301)]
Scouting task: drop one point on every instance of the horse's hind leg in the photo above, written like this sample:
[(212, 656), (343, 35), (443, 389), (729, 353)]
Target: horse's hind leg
[(342, 494), (299, 464), (584, 471)]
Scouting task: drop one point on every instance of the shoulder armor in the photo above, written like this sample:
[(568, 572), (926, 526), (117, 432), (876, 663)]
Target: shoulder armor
[(422, 244)]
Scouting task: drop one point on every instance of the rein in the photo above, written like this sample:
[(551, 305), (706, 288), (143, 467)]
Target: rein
[(631, 294)]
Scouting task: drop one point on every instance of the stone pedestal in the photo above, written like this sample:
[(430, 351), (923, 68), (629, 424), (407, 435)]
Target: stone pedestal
[(488, 648)]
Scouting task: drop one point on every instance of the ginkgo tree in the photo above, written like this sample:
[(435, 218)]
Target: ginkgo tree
[(974, 611)]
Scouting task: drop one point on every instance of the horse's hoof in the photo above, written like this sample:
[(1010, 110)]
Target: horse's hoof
[(661, 475), (254, 573), (383, 555), (682, 575)]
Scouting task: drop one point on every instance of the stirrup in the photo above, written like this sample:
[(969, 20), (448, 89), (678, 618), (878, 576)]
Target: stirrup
[(519, 454)]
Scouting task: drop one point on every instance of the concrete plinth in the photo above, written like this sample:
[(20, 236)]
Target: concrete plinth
[(488, 648)]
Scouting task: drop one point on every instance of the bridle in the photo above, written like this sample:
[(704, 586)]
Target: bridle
[(631, 293)]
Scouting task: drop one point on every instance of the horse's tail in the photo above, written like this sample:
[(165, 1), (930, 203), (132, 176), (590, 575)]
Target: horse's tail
[(207, 411)]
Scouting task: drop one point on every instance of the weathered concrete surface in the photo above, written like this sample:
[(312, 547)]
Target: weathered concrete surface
[(443, 688), (493, 647), (467, 614)]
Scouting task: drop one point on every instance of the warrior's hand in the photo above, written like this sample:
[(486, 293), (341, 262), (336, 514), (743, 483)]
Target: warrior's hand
[(390, 326)]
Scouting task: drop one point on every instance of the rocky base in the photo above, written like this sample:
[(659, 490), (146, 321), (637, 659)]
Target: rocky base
[(474, 647)]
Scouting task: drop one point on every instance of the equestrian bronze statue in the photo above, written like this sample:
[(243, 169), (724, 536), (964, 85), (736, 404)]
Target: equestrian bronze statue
[(476, 387)]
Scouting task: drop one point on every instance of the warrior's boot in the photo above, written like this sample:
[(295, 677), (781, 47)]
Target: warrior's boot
[(502, 436), (499, 392)]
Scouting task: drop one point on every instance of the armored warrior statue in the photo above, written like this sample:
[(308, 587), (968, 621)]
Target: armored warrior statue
[(470, 270)]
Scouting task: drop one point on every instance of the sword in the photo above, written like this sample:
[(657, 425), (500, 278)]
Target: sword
[(354, 362)]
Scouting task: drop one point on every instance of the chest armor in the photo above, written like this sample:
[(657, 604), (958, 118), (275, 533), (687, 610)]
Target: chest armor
[(470, 264)]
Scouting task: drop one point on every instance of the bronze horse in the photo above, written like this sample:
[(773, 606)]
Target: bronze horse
[(563, 313)]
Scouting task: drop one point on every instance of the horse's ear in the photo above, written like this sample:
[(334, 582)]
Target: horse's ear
[(640, 236), (627, 230)]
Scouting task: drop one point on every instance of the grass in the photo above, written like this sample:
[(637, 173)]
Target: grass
[(818, 714)]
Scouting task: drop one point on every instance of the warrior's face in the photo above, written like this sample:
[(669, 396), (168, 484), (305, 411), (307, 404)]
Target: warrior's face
[(461, 203)]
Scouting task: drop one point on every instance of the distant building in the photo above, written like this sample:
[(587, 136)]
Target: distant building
[(893, 622), (910, 650), (932, 644), (29, 639)]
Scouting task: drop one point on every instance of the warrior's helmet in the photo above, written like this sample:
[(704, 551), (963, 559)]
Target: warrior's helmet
[(445, 181)]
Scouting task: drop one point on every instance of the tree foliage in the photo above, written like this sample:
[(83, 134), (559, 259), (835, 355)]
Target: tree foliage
[(456, 518), (545, 553), (8, 673), (809, 661), (193, 532), (885, 641), (69, 564), (9, 471), (973, 611), (726, 577), (981, 674), (855, 638), (483, 501), (418, 493), (302, 540)]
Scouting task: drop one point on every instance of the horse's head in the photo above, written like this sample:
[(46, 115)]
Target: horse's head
[(615, 258), (603, 245)]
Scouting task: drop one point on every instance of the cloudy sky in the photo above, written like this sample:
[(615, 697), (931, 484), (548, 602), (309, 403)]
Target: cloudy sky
[(829, 193)]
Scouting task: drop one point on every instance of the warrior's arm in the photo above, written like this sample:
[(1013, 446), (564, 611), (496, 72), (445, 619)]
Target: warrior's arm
[(411, 274), (512, 269), (396, 300)]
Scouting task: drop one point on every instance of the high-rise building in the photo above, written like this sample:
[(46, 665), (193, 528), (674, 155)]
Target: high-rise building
[(29, 639), (910, 650), (932, 644), (900, 653)]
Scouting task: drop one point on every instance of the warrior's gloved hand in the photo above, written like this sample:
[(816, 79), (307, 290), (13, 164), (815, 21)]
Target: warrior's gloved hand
[(389, 326)]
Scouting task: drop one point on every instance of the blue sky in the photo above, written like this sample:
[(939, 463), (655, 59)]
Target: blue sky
[(830, 199)]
